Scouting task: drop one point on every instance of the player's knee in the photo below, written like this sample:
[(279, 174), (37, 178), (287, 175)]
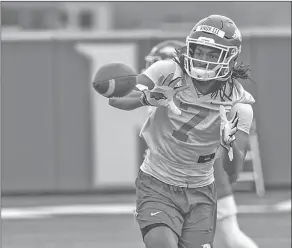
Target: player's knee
[(239, 239), (227, 228), (231, 235), (160, 237)]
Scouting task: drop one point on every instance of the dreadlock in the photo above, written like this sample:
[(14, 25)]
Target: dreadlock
[(237, 72), (241, 71)]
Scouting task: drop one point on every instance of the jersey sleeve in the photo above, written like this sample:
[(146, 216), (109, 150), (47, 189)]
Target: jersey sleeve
[(163, 67), (245, 112)]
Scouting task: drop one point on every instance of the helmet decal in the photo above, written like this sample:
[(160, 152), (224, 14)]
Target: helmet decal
[(211, 30), (237, 35)]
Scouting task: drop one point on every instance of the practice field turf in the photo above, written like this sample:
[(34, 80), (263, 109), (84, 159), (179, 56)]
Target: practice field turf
[(96, 228)]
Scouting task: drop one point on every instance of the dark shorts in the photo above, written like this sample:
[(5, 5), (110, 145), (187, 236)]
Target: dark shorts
[(223, 185), (189, 212)]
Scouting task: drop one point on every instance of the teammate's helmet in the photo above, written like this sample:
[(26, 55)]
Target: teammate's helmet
[(163, 50), (214, 31)]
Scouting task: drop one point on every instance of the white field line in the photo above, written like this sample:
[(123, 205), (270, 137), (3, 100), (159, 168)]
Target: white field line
[(118, 209), (284, 206), (47, 211)]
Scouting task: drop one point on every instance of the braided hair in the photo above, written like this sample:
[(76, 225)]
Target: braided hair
[(237, 72)]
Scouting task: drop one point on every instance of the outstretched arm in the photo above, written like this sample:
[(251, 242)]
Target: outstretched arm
[(241, 142), (156, 87), (132, 100)]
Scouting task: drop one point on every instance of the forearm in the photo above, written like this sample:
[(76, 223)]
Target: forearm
[(129, 102), (235, 166), (241, 143), (133, 100)]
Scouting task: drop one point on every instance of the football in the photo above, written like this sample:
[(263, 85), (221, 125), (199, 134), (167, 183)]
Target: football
[(114, 80)]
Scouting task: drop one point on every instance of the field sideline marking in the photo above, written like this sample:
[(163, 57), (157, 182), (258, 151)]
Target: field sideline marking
[(284, 205), (119, 209)]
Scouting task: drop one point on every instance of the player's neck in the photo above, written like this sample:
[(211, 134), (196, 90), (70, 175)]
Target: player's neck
[(206, 87)]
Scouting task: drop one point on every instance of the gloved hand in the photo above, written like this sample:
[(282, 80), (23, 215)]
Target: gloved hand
[(227, 131), (163, 93)]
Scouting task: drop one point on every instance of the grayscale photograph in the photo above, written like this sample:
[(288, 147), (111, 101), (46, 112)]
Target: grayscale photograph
[(145, 124)]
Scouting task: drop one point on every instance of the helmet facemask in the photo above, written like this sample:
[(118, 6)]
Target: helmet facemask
[(219, 70)]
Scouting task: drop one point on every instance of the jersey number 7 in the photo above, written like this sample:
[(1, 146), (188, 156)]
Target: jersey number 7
[(181, 134)]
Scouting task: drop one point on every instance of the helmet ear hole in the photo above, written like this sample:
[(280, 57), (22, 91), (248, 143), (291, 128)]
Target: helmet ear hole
[(233, 63)]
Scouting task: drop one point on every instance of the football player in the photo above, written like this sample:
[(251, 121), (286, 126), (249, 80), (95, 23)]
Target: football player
[(228, 234), (202, 114)]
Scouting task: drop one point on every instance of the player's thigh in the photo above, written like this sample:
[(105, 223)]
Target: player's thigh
[(155, 206), (161, 236), (200, 224)]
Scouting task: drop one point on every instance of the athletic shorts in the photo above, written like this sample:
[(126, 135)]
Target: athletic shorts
[(189, 212)]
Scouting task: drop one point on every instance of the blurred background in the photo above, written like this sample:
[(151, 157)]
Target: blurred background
[(138, 15), (65, 152)]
